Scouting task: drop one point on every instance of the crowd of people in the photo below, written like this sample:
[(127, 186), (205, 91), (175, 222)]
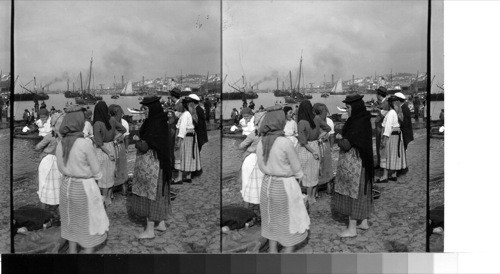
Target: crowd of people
[(85, 158), (288, 152)]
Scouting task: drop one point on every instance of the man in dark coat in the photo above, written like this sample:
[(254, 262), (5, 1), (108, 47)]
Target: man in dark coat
[(207, 106), (201, 127), (405, 125), (382, 107)]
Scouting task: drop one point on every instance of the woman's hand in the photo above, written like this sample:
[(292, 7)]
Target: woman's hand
[(136, 138), (338, 136), (111, 157), (316, 155)]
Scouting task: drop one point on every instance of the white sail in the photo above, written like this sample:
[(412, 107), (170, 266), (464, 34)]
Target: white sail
[(338, 87), (127, 90)]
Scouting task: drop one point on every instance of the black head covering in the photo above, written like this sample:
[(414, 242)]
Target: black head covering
[(156, 132), (358, 130), (306, 113), (101, 113)]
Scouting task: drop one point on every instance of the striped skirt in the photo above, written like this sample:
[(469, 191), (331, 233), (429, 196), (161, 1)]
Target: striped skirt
[(121, 173), (74, 214), (188, 159), (389, 158), (310, 166), (275, 221), (251, 179), (107, 166), (155, 210), (358, 209), (49, 180)]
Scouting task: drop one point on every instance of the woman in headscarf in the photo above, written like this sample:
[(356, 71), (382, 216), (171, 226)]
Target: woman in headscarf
[(188, 159), (290, 126), (83, 218), (353, 185), (393, 155), (105, 130), (153, 168), (284, 217), (251, 176), (121, 145), (325, 151), (48, 173), (308, 149)]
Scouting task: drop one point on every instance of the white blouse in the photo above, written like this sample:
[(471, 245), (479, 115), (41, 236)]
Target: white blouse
[(290, 128), (390, 122), (247, 127), (184, 124)]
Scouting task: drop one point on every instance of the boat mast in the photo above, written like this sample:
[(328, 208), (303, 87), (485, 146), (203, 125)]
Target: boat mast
[(81, 82), (300, 71), (90, 74), (290, 80), (277, 84)]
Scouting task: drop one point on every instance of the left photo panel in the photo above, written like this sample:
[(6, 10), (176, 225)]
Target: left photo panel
[(116, 138), (5, 87)]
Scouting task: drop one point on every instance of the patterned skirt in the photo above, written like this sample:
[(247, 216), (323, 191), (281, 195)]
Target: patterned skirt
[(275, 221), (74, 214), (188, 159), (393, 156), (107, 166), (49, 180), (251, 179), (121, 173), (358, 209), (155, 210), (310, 166)]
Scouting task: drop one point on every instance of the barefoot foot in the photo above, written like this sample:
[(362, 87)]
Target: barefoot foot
[(146, 235), (347, 234)]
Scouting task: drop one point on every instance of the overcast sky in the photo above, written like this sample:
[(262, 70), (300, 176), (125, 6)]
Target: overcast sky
[(5, 34), (55, 39), (264, 39)]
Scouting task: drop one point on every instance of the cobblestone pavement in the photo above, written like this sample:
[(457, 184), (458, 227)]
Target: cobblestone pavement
[(396, 225), (193, 226), (4, 191)]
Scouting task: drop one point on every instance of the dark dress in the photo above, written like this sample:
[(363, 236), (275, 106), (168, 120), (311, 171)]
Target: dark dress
[(406, 127), (201, 127)]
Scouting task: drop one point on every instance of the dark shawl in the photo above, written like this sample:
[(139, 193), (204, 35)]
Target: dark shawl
[(155, 131), (358, 131), (306, 113), (101, 113), (71, 129), (270, 128), (200, 127), (406, 127)]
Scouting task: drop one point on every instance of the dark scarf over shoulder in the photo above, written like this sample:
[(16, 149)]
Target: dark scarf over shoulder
[(358, 130), (155, 131)]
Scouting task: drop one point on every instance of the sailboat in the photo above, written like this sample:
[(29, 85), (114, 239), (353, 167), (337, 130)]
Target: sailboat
[(337, 88), (297, 96), (87, 98), (127, 90)]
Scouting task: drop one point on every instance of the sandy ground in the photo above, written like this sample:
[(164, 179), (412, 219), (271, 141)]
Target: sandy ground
[(396, 225), (193, 226)]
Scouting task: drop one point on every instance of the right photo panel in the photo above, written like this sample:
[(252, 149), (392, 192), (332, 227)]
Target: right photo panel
[(324, 126)]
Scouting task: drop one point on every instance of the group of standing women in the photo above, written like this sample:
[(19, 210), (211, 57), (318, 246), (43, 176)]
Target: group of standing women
[(277, 164)]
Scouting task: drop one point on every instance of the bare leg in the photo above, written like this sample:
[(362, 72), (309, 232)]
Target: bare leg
[(350, 231), (310, 195), (179, 176), (364, 224), (73, 248), (188, 175), (149, 232), (161, 226), (384, 175), (288, 249), (273, 246), (89, 250)]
